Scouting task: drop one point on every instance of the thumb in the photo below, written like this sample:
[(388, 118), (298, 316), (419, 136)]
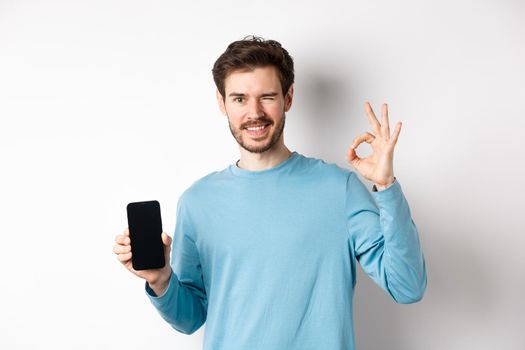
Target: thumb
[(166, 239)]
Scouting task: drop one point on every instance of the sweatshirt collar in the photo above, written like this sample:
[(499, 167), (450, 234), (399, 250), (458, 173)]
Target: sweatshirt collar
[(279, 168)]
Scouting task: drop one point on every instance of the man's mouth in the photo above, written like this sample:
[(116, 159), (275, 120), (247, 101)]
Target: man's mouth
[(257, 130)]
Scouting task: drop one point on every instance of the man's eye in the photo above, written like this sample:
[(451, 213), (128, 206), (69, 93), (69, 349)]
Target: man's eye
[(238, 99)]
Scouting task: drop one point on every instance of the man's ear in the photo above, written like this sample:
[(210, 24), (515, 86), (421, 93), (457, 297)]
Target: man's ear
[(220, 101), (288, 99)]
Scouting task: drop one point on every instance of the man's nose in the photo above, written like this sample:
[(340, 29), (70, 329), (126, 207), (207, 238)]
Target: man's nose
[(255, 109)]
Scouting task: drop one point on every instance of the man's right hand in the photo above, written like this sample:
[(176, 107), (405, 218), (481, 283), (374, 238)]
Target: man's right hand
[(157, 278)]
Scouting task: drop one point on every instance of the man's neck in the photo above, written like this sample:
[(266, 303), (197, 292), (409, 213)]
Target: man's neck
[(262, 161)]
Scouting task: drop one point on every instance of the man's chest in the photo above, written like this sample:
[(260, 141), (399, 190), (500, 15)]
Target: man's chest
[(239, 228)]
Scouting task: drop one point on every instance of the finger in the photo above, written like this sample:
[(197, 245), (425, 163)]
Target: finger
[(372, 118), (121, 239), (166, 239), (121, 249), (366, 137), (386, 125), (123, 258), (397, 130), (351, 156)]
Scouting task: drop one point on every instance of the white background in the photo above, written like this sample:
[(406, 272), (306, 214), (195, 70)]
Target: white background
[(108, 102)]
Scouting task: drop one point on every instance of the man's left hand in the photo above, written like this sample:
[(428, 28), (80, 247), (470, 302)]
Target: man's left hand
[(377, 167)]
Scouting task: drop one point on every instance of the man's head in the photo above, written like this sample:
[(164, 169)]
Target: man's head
[(254, 79)]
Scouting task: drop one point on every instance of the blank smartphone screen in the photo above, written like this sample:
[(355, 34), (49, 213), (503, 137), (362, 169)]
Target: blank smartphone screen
[(145, 229)]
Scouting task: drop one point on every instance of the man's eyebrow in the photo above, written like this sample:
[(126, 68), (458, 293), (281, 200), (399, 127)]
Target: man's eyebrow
[(270, 94), (267, 94)]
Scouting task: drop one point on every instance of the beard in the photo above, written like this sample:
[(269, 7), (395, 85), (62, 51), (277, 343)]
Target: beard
[(259, 146)]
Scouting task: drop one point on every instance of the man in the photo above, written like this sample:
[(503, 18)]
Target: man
[(265, 250)]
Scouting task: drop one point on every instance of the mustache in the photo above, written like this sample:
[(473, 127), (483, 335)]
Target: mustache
[(258, 123)]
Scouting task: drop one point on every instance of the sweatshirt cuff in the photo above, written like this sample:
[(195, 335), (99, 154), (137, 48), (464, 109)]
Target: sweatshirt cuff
[(375, 189), (159, 299), (391, 192)]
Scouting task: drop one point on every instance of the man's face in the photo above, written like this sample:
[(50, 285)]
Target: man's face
[(255, 98)]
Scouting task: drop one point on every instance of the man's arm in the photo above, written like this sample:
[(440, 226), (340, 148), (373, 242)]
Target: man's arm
[(183, 300), (385, 239)]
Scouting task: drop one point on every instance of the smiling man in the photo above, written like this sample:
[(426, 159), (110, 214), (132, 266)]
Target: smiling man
[(265, 250), (255, 101)]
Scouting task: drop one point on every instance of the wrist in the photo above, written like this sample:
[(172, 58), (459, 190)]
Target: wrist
[(161, 282), (381, 187)]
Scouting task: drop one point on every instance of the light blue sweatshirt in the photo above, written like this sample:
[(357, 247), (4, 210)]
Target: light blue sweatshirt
[(268, 258)]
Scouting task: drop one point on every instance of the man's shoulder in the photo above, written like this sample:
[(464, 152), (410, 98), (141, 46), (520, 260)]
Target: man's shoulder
[(204, 185), (325, 169)]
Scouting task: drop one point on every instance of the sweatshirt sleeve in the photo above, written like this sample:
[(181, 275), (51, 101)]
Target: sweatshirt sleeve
[(184, 303), (385, 239)]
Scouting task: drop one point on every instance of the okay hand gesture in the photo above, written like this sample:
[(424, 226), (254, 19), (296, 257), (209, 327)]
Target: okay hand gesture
[(377, 167)]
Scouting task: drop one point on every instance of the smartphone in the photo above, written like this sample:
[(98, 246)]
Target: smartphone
[(145, 233)]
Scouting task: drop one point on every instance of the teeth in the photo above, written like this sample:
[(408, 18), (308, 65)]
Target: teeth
[(257, 128)]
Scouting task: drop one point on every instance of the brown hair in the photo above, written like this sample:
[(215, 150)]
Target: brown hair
[(252, 52)]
